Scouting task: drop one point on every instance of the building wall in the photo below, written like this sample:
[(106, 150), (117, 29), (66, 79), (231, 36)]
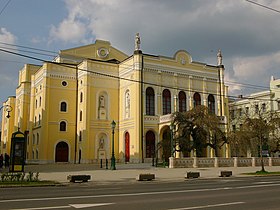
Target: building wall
[(106, 85), (264, 101), (7, 124)]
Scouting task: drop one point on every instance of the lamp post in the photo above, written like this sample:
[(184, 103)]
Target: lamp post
[(171, 138), (113, 159), (7, 108)]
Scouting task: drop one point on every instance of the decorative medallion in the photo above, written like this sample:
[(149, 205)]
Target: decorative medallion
[(102, 52)]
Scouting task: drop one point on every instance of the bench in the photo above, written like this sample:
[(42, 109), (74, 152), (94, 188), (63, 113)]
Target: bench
[(145, 177), (226, 173), (189, 175), (81, 178)]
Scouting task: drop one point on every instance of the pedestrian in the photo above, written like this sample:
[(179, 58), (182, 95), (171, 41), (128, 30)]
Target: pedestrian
[(7, 160), (1, 161)]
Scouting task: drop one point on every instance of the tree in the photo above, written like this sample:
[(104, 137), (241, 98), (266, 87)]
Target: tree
[(259, 131), (165, 145), (196, 129)]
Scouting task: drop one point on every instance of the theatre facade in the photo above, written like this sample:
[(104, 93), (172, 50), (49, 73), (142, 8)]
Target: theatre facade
[(66, 106)]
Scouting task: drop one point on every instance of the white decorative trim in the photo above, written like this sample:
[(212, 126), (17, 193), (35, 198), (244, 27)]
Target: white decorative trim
[(102, 52)]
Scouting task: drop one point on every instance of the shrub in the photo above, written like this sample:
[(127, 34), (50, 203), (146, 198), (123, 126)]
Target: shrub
[(19, 177)]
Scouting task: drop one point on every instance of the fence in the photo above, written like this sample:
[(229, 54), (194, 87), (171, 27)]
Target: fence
[(195, 162)]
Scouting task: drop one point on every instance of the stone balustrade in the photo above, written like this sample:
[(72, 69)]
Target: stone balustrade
[(196, 162)]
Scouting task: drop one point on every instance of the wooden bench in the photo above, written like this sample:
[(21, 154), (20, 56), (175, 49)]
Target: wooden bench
[(145, 177), (189, 175), (226, 173), (81, 178)]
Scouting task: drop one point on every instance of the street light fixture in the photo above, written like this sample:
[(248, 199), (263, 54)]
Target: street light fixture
[(171, 138), (7, 108), (113, 159)]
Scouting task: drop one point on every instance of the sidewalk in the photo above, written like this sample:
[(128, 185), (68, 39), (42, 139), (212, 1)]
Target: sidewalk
[(129, 172)]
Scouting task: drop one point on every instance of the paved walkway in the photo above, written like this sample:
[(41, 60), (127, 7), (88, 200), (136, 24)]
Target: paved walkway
[(129, 172)]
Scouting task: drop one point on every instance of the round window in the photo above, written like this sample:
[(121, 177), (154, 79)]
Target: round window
[(64, 83), (102, 52)]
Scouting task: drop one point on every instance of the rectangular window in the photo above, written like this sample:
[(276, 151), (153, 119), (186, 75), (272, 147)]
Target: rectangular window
[(247, 110), (256, 109), (264, 107), (240, 112), (80, 136)]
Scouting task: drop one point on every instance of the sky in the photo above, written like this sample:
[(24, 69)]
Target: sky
[(247, 34)]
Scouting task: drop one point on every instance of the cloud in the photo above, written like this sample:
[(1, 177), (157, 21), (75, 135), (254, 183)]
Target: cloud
[(8, 66), (242, 30), (68, 30), (6, 36), (255, 67)]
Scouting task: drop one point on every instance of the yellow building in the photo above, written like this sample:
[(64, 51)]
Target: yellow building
[(8, 127), (66, 106)]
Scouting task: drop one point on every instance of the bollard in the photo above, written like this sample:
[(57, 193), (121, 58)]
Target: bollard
[(100, 163)]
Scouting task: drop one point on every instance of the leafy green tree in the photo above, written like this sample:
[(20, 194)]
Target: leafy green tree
[(196, 129), (258, 130)]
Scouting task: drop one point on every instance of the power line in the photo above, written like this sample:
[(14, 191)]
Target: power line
[(27, 51), (247, 85), (261, 5), (74, 66), (5, 6), (22, 55), (31, 48)]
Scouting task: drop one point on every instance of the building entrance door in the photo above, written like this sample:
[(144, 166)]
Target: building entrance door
[(61, 152), (127, 151), (150, 144)]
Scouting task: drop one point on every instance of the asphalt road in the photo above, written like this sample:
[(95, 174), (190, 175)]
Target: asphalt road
[(223, 193)]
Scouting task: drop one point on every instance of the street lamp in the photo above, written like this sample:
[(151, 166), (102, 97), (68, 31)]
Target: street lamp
[(113, 159), (171, 138), (7, 108)]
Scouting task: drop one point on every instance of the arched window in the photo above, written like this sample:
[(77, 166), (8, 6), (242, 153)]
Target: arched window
[(33, 139), (182, 101), (39, 121), (62, 126), (81, 97), (166, 102), (81, 115), (40, 101), (211, 104), (38, 139), (150, 101), (36, 104), (80, 136), (63, 106), (196, 99)]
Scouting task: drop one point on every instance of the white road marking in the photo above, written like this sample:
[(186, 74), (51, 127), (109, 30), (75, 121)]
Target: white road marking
[(80, 206), (263, 182), (209, 206), (136, 194), (76, 206)]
